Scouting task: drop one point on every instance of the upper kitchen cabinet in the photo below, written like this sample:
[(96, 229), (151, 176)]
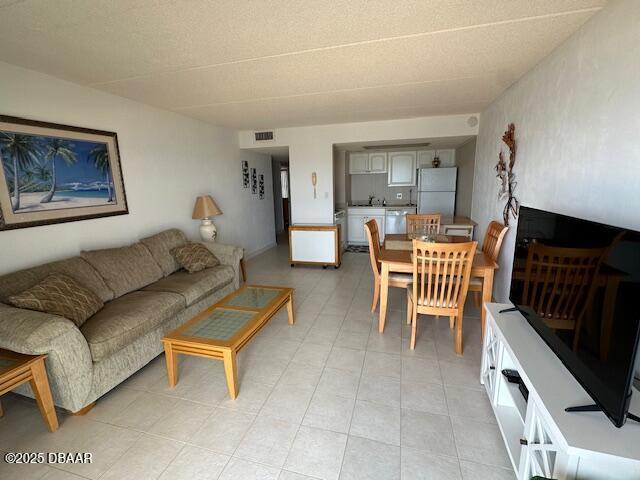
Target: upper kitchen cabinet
[(378, 162), (402, 169), (360, 163), (447, 158)]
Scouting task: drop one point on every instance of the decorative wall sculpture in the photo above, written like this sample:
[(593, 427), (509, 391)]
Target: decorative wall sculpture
[(507, 177)]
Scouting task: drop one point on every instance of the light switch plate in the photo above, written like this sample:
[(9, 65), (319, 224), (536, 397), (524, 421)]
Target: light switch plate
[(398, 196)]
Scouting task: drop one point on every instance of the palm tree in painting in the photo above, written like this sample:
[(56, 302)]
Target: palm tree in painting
[(58, 148), (22, 152), (100, 158)]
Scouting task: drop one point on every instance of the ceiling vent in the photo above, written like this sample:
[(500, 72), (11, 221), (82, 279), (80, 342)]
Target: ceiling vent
[(262, 136)]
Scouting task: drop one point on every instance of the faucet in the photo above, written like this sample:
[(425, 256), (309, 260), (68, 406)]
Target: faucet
[(410, 195), (371, 197)]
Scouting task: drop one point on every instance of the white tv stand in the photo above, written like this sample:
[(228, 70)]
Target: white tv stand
[(541, 438)]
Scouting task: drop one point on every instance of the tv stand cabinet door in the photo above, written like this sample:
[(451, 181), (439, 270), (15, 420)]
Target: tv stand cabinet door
[(542, 454)]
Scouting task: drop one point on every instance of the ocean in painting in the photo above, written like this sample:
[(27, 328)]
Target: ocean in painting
[(52, 173)]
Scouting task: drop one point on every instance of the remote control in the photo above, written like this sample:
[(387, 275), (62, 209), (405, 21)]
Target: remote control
[(512, 375)]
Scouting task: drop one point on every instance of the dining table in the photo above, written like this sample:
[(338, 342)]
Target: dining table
[(396, 257)]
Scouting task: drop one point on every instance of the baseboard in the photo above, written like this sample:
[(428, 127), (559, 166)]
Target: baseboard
[(259, 251)]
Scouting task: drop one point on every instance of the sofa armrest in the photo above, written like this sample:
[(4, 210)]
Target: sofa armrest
[(69, 364), (228, 255)]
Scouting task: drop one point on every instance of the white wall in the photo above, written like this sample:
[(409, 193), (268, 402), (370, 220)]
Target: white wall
[(311, 150), (577, 118), (465, 160), (167, 160)]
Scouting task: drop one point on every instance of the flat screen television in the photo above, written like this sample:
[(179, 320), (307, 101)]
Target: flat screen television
[(577, 283)]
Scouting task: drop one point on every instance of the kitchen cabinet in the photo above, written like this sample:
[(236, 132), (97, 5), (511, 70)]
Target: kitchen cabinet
[(378, 162), (447, 158), (402, 169), (357, 217), (358, 163), (367, 163)]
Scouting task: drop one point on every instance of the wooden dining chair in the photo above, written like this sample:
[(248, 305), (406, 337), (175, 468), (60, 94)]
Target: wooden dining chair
[(493, 238), (399, 280), (423, 223), (441, 274), (559, 284)]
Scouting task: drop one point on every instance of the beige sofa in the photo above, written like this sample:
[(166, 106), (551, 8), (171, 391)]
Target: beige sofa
[(146, 294)]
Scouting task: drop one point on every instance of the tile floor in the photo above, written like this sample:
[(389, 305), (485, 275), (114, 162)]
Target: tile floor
[(328, 398)]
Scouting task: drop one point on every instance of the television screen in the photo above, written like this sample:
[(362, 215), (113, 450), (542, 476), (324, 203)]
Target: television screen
[(577, 283)]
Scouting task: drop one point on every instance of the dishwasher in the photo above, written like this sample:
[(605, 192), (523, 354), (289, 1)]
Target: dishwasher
[(395, 220)]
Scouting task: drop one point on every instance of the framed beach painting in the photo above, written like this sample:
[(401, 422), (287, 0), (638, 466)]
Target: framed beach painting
[(54, 173)]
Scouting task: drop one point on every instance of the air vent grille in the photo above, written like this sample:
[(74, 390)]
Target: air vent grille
[(262, 136)]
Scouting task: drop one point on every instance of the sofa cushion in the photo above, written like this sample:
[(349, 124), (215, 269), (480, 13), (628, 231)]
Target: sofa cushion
[(160, 246), (74, 267), (127, 318), (124, 269), (59, 294), (195, 257), (194, 286)]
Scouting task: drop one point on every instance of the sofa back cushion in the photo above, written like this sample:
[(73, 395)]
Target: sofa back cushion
[(61, 295), (75, 267), (160, 246), (124, 269)]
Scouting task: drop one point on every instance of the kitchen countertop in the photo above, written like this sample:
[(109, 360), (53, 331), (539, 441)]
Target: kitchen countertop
[(382, 206)]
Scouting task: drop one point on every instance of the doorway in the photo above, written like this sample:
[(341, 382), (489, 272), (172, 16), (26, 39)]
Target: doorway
[(281, 197)]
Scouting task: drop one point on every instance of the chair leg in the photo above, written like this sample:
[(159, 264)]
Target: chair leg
[(452, 322), (476, 300), (409, 308), (414, 325), (376, 295), (459, 333)]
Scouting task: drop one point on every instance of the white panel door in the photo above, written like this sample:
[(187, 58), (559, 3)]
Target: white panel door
[(378, 162), (355, 229), (402, 169), (358, 163)]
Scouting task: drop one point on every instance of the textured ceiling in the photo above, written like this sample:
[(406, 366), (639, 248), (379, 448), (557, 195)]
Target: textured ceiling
[(274, 63)]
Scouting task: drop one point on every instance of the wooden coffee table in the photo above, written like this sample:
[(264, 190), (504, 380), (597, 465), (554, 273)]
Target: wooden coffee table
[(16, 369), (222, 329)]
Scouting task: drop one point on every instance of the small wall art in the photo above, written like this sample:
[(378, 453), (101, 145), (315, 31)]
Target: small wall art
[(254, 181), (245, 174), (261, 187)]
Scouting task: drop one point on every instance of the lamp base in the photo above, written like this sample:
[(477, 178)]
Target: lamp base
[(208, 230)]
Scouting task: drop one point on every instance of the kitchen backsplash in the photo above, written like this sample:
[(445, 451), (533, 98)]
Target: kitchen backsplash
[(376, 184)]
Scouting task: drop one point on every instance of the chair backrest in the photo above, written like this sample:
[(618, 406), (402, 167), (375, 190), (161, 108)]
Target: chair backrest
[(493, 239), (441, 273), (559, 282), (423, 223), (373, 237)]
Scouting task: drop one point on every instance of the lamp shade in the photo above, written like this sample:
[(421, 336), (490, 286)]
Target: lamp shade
[(205, 207)]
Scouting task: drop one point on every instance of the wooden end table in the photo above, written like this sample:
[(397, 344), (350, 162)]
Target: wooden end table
[(16, 369), (222, 329)]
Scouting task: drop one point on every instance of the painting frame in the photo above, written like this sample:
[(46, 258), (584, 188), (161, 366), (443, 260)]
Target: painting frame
[(245, 174), (261, 186), (74, 207), (254, 181)]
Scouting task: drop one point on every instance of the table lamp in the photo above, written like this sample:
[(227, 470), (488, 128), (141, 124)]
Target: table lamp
[(205, 208)]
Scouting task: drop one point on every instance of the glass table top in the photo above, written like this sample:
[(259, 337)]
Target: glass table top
[(254, 297), (221, 324)]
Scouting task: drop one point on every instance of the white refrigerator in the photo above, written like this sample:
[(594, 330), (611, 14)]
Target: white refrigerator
[(437, 190)]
